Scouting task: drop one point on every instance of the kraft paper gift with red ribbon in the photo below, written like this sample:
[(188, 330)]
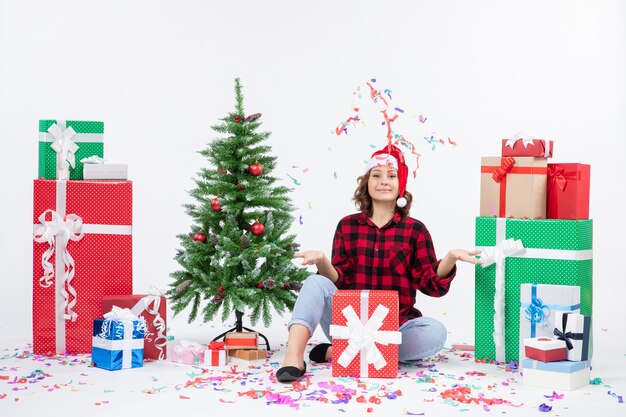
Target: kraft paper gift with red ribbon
[(241, 340), (150, 307), (539, 148), (568, 191), (365, 334), (513, 187), (82, 252), (215, 355), (545, 349)]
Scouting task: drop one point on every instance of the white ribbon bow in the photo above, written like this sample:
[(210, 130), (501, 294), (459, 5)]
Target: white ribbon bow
[(65, 148), (93, 159), (497, 255), (154, 300), (362, 337), (64, 229)]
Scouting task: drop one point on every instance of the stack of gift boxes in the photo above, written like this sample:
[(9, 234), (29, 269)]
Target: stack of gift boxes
[(535, 236), (241, 345), (82, 254)]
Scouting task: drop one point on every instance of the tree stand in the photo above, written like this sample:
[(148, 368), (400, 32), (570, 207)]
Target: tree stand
[(239, 327)]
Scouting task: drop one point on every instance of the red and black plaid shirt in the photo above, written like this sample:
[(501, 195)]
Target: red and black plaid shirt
[(398, 256)]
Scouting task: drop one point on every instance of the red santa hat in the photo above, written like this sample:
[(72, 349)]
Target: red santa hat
[(392, 157)]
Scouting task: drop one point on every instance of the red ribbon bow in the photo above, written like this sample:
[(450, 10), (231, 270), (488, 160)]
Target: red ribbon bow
[(506, 164), (216, 345), (557, 176)]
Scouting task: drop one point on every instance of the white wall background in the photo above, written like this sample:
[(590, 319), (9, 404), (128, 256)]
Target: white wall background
[(159, 73)]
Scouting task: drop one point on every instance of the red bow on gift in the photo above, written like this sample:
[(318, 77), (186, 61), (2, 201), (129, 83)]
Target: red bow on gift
[(216, 345), (506, 164), (557, 176)]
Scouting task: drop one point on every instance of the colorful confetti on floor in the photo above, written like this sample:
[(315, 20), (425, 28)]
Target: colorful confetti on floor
[(450, 382)]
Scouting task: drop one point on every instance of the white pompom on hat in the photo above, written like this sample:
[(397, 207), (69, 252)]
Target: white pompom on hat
[(392, 157)]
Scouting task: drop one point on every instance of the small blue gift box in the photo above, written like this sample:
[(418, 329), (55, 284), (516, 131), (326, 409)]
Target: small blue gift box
[(117, 344)]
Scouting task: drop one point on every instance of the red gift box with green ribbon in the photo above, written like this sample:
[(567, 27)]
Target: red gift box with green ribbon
[(82, 252), (513, 187), (568, 191)]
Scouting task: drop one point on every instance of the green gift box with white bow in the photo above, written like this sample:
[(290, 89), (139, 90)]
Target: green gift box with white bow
[(63, 143), (522, 251)]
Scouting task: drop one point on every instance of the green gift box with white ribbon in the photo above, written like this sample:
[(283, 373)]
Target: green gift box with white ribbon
[(63, 143), (521, 251)]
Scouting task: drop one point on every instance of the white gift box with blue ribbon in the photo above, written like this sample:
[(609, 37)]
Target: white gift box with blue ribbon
[(539, 305), (118, 340)]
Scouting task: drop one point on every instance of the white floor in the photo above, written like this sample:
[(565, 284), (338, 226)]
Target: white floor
[(68, 386)]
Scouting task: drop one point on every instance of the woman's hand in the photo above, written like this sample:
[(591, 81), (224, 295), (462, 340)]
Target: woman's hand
[(310, 257), (465, 256)]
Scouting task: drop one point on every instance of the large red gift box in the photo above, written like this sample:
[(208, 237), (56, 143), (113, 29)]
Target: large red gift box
[(568, 191), (539, 148), (82, 252), (513, 187), (151, 307), (365, 333)]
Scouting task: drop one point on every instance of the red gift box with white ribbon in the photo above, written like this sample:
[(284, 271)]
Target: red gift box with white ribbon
[(152, 308), (521, 146), (365, 333), (82, 252)]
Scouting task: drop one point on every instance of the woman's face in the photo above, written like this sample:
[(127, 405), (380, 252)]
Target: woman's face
[(382, 184)]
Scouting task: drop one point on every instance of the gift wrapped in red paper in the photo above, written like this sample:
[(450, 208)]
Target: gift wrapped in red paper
[(568, 191), (82, 252), (539, 148), (152, 308), (365, 333)]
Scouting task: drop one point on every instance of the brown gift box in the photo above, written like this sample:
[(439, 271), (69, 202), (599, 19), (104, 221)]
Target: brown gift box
[(248, 354), (513, 187)]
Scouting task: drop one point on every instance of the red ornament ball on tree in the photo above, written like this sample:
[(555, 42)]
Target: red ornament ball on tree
[(257, 229), (199, 237), (259, 284), (215, 205), (220, 289), (255, 169)]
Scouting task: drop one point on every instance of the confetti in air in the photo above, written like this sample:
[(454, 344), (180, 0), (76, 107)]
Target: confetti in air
[(390, 114)]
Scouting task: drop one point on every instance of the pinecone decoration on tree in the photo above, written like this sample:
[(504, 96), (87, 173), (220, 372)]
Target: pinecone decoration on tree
[(269, 283), (295, 285), (245, 242), (219, 297), (213, 239), (253, 117), (183, 286)]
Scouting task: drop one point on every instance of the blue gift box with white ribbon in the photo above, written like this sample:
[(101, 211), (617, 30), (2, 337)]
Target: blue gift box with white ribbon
[(118, 343)]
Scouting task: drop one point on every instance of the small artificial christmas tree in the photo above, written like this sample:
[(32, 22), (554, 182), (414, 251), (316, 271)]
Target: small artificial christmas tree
[(239, 254)]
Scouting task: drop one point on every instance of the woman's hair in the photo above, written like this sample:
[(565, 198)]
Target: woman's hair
[(363, 201)]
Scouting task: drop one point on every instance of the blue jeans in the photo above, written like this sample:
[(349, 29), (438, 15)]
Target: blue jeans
[(421, 337)]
